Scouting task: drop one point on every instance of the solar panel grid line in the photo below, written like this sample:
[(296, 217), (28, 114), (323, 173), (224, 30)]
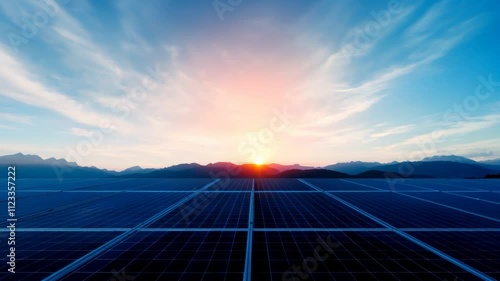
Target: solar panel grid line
[(405, 182), (416, 241), (204, 210), (475, 198), (489, 195), (247, 272), (120, 210), (172, 256), (447, 206), (402, 211), (490, 209), (357, 183), (89, 256), (452, 185), (59, 208)]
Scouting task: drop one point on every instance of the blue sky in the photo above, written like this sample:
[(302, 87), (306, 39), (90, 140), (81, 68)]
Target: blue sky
[(120, 83)]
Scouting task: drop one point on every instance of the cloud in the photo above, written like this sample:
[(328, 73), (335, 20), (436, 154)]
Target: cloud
[(16, 118), (393, 131), (18, 84)]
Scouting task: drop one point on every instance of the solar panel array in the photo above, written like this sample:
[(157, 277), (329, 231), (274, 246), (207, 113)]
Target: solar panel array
[(255, 229)]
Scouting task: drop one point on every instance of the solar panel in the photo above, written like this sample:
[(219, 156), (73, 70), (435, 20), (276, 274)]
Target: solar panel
[(346, 256), (209, 210), (341, 185), (232, 184), (489, 196), (447, 185), (35, 202), (478, 249), (308, 210), (280, 185), (401, 211), (171, 256), (482, 208), (40, 253), (176, 184), (398, 185), (119, 210), (200, 229)]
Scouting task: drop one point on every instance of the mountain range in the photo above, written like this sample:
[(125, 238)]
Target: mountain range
[(443, 166)]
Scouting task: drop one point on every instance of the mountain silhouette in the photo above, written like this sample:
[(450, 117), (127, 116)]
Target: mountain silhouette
[(33, 166)]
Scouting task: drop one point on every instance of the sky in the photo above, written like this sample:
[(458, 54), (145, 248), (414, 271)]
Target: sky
[(115, 84)]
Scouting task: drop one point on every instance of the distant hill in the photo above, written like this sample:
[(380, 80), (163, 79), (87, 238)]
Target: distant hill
[(221, 169), (495, 162), (282, 168), (352, 168), (450, 158), (384, 174), (134, 170), (33, 166), (312, 173), (438, 169)]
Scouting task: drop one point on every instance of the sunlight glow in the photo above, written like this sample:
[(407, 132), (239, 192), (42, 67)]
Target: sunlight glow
[(258, 161)]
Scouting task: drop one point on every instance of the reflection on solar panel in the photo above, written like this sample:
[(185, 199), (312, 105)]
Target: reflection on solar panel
[(346, 256), (478, 249), (263, 229), (404, 212), (117, 210), (209, 210), (280, 185), (343, 185), (40, 253), (296, 210), (171, 256)]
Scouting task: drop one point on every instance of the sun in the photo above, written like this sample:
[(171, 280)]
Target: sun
[(258, 161)]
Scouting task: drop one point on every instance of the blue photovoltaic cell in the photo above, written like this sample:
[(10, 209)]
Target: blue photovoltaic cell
[(39, 254), (478, 249), (280, 185), (346, 256), (490, 196), (22, 183), (71, 184), (177, 184), (123, 184), (467, 204), (38, 202), (296, 210), (396, 185), (482, 184), (404, 212), (120, 210), (209, 210), (232, 184), (163, 229), (338, 184), (171, 256), (446, 185)]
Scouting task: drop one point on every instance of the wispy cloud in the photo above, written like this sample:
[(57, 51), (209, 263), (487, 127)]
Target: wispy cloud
[(16, 118), (393, 131)]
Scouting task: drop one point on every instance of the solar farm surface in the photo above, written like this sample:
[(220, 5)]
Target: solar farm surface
[(254, 229)]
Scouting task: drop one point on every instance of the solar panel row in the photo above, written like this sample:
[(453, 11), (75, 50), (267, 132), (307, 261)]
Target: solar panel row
[(299, 232)]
